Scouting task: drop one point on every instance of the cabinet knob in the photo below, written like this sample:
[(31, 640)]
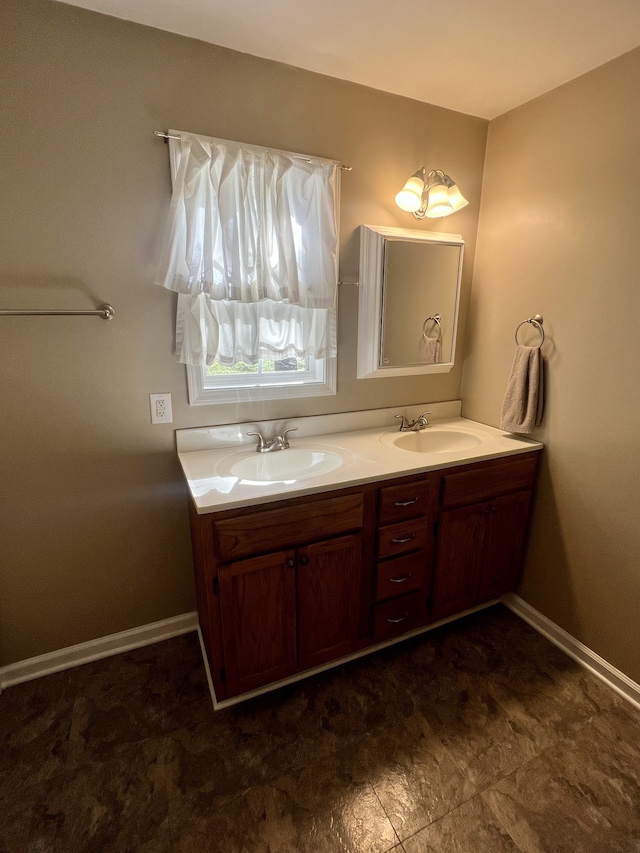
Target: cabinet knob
[(398, 619), (304, 560), (291, 563), (400, 580), (406, 503)]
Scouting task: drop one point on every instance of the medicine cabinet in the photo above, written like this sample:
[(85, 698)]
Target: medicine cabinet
[(408, 301)]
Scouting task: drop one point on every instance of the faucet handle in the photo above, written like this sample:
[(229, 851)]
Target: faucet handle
[(429, 412), (262, 444), (283, 437)]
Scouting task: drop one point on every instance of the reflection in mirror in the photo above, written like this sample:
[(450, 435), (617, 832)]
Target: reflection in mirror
[(416, 287), (408, 306)]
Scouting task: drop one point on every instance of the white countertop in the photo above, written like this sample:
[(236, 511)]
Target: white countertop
[(365, 458)]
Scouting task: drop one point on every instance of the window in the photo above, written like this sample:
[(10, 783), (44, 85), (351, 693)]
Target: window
[(266, 380), (251, 250)]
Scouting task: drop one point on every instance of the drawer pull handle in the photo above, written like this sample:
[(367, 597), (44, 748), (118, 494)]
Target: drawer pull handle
[(398, 619), (404, 539), (406, 503), (399, 580)]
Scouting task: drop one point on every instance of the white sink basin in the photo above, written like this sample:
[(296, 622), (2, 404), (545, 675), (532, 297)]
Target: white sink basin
[(284, 466), (432, 440)]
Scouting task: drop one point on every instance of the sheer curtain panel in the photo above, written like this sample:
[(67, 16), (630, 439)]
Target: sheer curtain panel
[(252, 250)]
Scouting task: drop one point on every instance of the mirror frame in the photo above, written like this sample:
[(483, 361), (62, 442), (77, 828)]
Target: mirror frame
[(370, 299)]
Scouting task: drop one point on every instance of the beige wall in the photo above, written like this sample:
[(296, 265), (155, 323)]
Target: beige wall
[(93, 511), (558, 235)]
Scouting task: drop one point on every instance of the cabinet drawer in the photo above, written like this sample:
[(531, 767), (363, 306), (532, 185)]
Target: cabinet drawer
[(395, 577), (484, 481), (405, 501), (397, 616), (274, 529), (402, 537)]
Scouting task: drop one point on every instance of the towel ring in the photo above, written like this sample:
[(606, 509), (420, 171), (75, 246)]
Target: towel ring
[(536, 321), (436, 321)]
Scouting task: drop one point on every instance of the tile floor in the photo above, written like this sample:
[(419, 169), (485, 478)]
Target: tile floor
[(478, 737)]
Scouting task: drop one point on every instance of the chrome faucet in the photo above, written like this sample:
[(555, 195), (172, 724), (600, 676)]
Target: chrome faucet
[(279, 442), (413, 426)]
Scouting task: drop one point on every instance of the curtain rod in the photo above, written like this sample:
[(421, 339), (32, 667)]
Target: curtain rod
[(105, 311), (167, 136)]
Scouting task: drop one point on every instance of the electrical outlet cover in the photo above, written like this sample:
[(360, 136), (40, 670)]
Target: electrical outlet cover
[(160, 405)]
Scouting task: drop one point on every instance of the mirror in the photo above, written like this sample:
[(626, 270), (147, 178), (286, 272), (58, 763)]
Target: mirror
[(408, 301)]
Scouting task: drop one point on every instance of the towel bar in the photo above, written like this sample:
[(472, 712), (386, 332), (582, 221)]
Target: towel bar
[(105, 311)]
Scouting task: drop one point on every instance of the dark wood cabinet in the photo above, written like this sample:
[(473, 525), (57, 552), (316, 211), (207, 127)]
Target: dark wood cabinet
[(286, 587), (258, 617), (505, 526), (458, 549), (288, 611), (405, 544), (481, 544), (328, 600), (280, 587)]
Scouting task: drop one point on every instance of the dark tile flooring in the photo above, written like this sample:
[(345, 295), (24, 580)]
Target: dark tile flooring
[(477, 737)]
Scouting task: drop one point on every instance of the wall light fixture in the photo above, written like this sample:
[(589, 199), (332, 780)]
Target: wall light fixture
[(432, 196)]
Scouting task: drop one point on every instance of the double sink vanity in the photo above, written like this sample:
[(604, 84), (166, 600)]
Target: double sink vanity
[(353, 536)]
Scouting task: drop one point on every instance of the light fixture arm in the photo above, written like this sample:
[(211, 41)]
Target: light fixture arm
[(436, 177)]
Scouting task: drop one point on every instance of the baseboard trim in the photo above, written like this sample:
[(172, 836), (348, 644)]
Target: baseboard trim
[(602, 669), (102, 647), (155, 632)]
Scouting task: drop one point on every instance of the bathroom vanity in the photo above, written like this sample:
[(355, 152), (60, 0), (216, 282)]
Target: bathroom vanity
[(301, 573)]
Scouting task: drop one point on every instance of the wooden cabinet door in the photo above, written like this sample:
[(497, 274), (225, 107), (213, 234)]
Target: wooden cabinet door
[(500, 558), (258, 610), (479, 552), (328, 599), (454, 577)]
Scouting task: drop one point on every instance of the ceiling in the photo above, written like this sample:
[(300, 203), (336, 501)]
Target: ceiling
[(481, 57)]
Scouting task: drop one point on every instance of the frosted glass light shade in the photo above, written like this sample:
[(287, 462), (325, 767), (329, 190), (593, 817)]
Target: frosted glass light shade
[(439, 204), (456, 199), (410, 196)]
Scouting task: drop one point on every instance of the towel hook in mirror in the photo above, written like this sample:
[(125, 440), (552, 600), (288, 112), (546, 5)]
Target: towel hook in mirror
[(536, 321), (436, 320)]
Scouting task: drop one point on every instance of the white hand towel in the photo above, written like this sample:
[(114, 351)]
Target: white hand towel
[(523, 399), (430, 350)]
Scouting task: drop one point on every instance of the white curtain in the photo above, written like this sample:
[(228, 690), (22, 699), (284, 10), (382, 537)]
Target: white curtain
[(251, 249)]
